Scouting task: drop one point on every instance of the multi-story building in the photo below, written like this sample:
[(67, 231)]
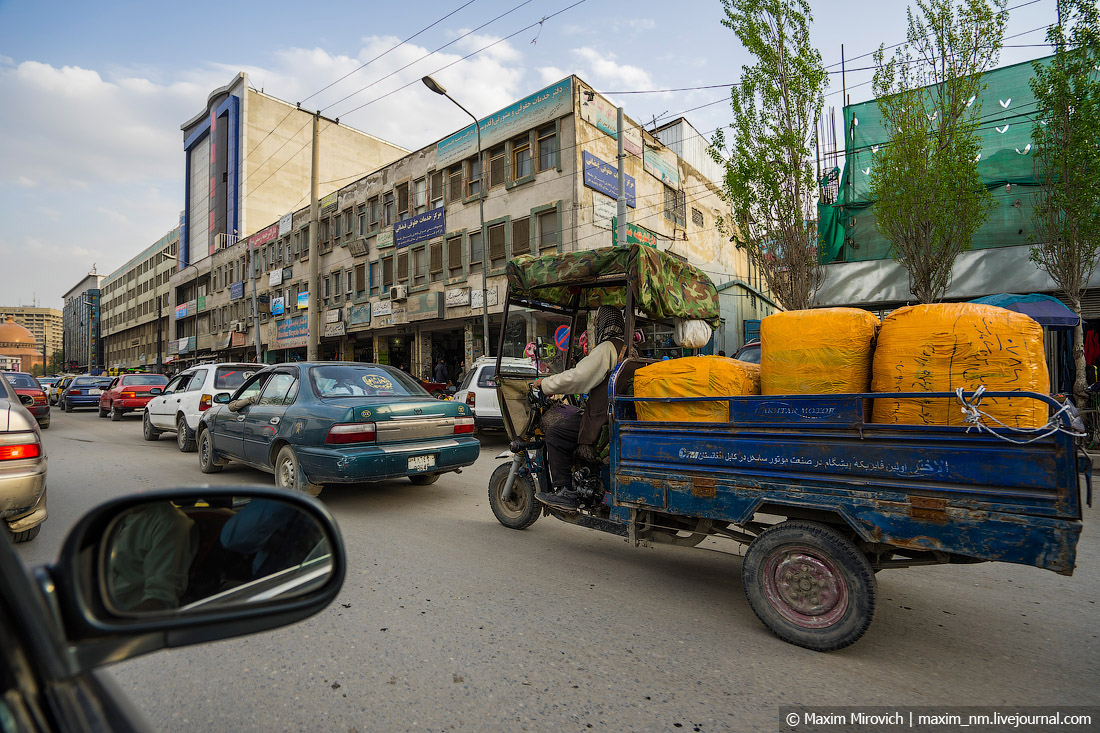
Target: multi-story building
[(402, 261), (43, 323), (83, 342), (135, 308)]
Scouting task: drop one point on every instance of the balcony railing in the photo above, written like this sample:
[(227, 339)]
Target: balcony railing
[(223, 240)]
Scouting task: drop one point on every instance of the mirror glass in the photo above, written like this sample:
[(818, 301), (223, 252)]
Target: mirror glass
[(168, 556)]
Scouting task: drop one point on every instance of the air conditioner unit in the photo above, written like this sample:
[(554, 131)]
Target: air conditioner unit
[(399, 292), (237, 326)]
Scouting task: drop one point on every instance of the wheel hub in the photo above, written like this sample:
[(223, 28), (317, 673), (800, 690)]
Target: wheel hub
[(805, 587)]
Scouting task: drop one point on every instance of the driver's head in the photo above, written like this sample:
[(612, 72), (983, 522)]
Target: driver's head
[(609, 323)]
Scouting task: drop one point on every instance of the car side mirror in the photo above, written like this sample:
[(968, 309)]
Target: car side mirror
[(156, 390), (222, 398), (26, 399), (222, 562)]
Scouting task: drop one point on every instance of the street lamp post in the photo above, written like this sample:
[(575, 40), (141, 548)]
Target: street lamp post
[(438, 89)]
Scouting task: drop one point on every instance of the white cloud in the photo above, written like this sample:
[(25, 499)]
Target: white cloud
[(606, 72), (635, 25)]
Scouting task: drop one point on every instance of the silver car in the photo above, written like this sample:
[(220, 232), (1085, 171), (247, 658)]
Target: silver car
[(22, 467)]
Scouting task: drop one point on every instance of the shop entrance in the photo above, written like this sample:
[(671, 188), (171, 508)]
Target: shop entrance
[(449, 345), (398, 351)]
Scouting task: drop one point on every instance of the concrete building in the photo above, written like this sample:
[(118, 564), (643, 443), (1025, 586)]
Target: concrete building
[(402, 258), (135, 308), (83, 343), (43, 323), (21, 351)]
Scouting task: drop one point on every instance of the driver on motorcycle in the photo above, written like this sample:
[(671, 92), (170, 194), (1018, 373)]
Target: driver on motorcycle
[(567, 427)]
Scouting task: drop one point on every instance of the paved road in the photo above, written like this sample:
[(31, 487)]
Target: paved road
[(449, 621)]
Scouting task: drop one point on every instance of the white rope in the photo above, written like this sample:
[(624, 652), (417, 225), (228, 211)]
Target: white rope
[(973, 415)]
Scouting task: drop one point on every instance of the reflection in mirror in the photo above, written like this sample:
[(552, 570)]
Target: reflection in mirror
[(162, 556)]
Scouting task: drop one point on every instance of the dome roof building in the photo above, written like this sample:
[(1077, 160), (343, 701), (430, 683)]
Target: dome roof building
[(18, 342)]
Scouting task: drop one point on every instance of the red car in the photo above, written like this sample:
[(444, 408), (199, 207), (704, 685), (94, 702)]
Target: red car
[(25, 384), (128, 392)]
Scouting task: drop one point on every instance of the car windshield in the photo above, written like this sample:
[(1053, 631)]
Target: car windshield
[(22, 381), (749, 353), (231, 377), (346, 380), (139, 379)]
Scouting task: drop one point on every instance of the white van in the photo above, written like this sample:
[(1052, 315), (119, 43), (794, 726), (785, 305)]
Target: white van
[(479, 388)]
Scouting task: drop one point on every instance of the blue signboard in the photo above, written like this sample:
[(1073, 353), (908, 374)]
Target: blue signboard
[(236, 291), (303, 301), (604, 178), (292, 333), (419, 228), (276, 306)]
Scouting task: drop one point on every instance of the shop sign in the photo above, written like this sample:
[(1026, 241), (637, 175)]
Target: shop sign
[(634, 235), (181, 311), (385, 239), (287, 272), (603, 211), (603, 115), (236, 291), (332, 315), (277, 307), (422, 307), (335, 329), (475, 297), (457, 296), (200, 303), (544, 105), (225, 341), (419, 228), (292, 333), (236, 339), (662, 164), (604, 177), (263, 236), (303, 300), (358, 314), (275, 278), (381, 308), (192, 307), (284, 224), (357, 247), (328, 203)]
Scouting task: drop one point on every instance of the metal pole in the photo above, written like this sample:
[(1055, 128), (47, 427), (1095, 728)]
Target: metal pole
[(620, 210), (484, 241), (160, 342), (255, 305), (843, 81), (313, 313)]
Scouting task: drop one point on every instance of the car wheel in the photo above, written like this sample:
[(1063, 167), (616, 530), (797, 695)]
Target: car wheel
[(185, 441), (102, 411), (289, 474), (68, 406), (147, 430), (26, 535), (423, 479), (521, 509), (116, 413), (208, 459), (44, 424)]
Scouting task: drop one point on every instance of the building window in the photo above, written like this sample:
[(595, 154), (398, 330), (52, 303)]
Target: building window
[(496, 167), (349, 222), (326, 289), (387, 209), (349, 282), (454, 256), (436, 260), (548, 230), (403, 202), (548, 147), (473, 177), (420, 266), (361, 215), (420, 196), (387, 273), (337, 228), (402, 266), (374, 210), (497, 246), (454, 183), (521, 158), (436, 190), (675, 206), (697, 217), (521, 236), (475, 252), (360, 279), (375, 277)]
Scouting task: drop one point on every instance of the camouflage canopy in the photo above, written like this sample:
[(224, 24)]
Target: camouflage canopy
[(664, 287)]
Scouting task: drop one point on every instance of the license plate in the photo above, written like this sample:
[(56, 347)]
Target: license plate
[(421, 463), (95, 391)]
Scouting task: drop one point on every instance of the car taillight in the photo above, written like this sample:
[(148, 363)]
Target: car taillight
[(40, 398), (205, 402), (16, 446), (129, 395), (359, 432), (471, 398), (464, 425)]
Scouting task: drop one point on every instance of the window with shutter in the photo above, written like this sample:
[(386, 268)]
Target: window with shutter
[(435, 192), (548, 230), (497, 252), (521, 236), (402, 266), (387, 273), (403, 202), (436, 249), (361, 278), (496, 167), (454, 184), (475, 252), (454, 256)]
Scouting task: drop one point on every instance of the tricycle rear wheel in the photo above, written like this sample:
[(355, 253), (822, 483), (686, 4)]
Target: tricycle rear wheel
[(521, 509), (810, 585)]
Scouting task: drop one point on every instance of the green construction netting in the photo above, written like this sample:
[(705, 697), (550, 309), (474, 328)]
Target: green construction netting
[(1006, 117)]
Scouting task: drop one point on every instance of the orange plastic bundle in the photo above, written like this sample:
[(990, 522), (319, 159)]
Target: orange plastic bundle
[(822, 351), (694, 376), (944, 346)]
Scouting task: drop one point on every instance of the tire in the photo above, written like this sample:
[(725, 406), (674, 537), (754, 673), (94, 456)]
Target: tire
[(45, 424), (68, 406), (521, 510), (810, 585), (147, 430), (424, 479), (102, 412), (185, 441), (208, 458), (116, 413), (289, 474), (26, 535)]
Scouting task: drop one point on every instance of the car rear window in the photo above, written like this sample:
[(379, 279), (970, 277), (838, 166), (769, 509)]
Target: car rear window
[(231, 377), (22, 381), (145, 379), (345, 380), (91, 382), (749, 353)]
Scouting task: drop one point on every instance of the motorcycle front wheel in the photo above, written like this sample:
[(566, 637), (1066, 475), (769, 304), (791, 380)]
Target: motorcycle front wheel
[(521, 509)]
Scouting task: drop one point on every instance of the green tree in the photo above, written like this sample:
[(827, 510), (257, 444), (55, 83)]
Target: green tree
[(57, 362), (1067, 159), (769, 180), (928, 197)]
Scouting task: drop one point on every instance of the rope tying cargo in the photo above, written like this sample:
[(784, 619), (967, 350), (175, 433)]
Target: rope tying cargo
[(973, 415)]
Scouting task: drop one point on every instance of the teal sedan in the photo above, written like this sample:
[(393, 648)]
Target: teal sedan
[(317, 423)]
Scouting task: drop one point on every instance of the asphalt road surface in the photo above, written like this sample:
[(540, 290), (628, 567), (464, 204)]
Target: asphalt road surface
[(449, 621)]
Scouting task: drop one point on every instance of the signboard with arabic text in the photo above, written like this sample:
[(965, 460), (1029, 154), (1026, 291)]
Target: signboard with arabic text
[(419, 228), (634, 235), (328, 203), (284, 224), (263, 236), (603, 177), (292, 333), (662, 164), (603, 115)]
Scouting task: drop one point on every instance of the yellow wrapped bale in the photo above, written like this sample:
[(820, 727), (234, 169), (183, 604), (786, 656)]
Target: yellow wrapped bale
[(944, 346), (694, 376), (822, 351)]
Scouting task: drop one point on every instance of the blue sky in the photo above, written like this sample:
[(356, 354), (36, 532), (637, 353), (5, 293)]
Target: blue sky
[(91, 164)]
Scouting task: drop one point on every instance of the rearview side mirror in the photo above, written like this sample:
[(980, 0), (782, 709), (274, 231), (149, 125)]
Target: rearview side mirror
[(222, 398), (156, 390), (26, 399)]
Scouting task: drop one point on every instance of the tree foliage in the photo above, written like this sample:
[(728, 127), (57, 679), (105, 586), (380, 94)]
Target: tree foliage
[(769, 180), (929, 199), (1067, 158)]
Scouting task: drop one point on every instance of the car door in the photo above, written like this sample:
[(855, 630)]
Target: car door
[(261, 422), (227, 426), (162, 408)]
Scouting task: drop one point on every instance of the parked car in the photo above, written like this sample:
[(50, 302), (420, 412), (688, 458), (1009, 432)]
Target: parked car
[(179, 405), (54, 392), (127, 393), (84, 391), (750, 352), (439, 390), (61, 623), (316, 423), (47, 384), (478, 389), (25, 384), (22, 467)]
